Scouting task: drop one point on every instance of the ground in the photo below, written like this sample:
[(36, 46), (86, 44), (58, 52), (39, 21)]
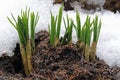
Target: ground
[(56, 63), (112, 5)]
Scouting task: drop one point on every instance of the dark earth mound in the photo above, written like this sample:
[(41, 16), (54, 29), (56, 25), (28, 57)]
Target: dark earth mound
[(56, 63)]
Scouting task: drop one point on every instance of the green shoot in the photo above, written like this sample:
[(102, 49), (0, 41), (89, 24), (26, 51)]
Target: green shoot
[(55, 27), (78, 27), (85, 33), (26, 35), (96, 32), (88, 32), (68, 33), (96, 29), (33, 22)]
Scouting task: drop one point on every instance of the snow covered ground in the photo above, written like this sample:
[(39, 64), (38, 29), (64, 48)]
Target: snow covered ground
[(109, 42)]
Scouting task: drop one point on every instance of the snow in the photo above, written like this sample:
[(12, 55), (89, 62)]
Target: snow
[(8, 35), (108, 48)]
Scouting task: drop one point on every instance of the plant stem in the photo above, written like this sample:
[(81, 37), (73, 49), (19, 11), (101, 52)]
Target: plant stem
[(93, 51), (87, 52), (29, 55), (24, 58)]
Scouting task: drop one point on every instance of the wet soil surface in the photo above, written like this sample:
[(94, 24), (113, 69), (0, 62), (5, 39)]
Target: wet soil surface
[(56, 63)]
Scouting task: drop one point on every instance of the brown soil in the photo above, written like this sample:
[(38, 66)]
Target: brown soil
[(59, 63), (112, 5)]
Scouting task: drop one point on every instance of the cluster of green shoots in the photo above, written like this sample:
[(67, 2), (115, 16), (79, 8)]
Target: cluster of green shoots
[(25, 26), (84, 33), (27, 21), (54, 28)]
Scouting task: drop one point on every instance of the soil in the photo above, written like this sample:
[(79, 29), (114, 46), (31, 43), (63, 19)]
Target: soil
[(112, 5), (56, 63)]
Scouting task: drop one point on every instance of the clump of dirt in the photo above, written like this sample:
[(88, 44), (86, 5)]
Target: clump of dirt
[(112, 5), (12, 64), (67, 4), (56, 63), (83, 3)]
